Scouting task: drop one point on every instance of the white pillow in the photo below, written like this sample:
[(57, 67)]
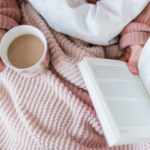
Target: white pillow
[(97, 24)]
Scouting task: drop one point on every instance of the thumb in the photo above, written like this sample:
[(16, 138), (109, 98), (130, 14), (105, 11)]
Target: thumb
[(133, 61)]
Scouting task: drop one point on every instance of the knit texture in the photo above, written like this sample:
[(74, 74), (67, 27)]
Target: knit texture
[(10, 14), (138, 31), (54, 111)]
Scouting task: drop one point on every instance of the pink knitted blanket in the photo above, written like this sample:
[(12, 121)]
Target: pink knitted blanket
[(54, 111)]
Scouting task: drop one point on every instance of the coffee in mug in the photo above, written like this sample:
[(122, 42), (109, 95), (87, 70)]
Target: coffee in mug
[(24, 49)]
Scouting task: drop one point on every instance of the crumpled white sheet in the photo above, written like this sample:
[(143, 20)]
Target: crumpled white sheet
[(97, 24)]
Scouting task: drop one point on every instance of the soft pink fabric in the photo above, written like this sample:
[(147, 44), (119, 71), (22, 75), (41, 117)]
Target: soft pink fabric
[(54, 111), (138, 31), (10, 14)]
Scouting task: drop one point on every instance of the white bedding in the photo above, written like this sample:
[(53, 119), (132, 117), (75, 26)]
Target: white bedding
[(97, 24)]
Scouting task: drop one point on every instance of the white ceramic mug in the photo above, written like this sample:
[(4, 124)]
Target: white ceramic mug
[(40, 66)]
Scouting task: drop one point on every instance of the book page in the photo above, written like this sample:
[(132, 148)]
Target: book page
[(124, 93), (144, 66)]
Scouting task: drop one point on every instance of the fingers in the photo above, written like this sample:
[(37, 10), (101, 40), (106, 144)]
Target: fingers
[(124, 59), (132, 56), (133, 60), (1, 65), (127, 56), (2, 33)]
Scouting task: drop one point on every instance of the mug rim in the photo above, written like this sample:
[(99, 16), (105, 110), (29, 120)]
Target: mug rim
[(15, 28)]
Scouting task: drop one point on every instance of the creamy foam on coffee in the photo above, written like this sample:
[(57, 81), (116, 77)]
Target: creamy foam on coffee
[(25, 51)]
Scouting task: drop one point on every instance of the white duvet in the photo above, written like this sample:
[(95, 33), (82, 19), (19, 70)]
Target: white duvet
[(97, 24)]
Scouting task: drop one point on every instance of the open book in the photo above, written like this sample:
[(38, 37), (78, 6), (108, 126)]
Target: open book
[(121, 99)]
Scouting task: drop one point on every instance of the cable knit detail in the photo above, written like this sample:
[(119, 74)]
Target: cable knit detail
[(134, 38), (10, 14), (138, 31), (7, 23)]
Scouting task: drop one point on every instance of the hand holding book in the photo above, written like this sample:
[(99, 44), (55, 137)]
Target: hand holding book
[(132, 56)]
